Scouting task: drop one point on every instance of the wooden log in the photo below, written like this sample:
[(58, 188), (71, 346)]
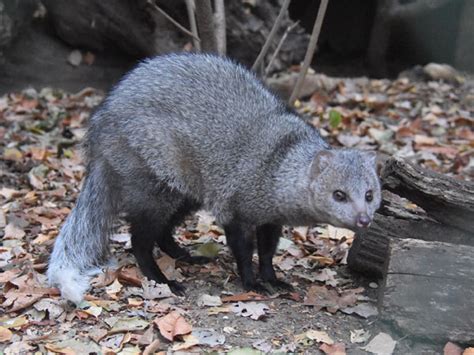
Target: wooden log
[(449, 201), (398, 218), (369, 255), (139, 30)]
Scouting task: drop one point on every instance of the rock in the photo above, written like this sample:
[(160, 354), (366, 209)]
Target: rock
[(444, 72), (14, 14)]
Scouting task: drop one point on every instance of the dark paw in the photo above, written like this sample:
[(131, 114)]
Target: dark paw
[(199, 260), (281, 285), (258, 288), (177, 288)]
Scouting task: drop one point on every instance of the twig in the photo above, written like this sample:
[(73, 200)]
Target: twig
[(219, 20), (205, 22), (172, 20), (191, 7), (280, 44), (310, 50), (272, 33)]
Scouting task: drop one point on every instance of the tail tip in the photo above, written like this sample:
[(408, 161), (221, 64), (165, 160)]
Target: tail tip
[(71, 282)]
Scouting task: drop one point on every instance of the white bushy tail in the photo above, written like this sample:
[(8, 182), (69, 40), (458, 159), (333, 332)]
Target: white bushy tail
[(82, 246)]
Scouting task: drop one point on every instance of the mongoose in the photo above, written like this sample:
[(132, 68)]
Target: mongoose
[(188, 131)]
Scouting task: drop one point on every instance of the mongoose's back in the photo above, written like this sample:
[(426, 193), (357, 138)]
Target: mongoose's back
[(196, 119)]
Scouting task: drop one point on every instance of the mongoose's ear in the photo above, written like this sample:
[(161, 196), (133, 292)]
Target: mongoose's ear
[(321, 161), (371, 157)]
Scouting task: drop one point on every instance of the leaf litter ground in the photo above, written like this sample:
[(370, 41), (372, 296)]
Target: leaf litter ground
[(331, 311)]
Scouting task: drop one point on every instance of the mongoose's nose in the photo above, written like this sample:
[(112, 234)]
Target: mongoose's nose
[(363, 220)]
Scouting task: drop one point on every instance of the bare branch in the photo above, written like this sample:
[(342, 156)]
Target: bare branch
[(172, 20), (280, 44), (310, 51), (219, 20), (272, 33), (191, 7), (205, 23)]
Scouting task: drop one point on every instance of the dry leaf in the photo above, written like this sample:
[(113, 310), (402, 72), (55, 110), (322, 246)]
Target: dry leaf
[(113, 289), (359, 336), (172, 325), (189, 341), (319, 336), (452, 349), (152, 348), (9, 275), (12, 154), (217, 310), (365, 310), (250, 309), (244, 297), (209, 301), (5, 334), (129, 325), (13, 232), (152, 290), (322, 297), (130, 276), (59, 350), (333, 349), (381, 344)]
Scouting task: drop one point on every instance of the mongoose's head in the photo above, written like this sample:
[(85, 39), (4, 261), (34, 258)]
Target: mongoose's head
[(345, 187)]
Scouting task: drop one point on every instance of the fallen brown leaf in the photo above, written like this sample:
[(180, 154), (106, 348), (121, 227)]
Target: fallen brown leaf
[(172, 325), (452, 349), (333, 349), (322, 297), (5, 334), (244, 297)]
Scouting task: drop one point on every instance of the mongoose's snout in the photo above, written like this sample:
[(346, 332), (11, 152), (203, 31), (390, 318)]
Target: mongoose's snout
[(363, 220)]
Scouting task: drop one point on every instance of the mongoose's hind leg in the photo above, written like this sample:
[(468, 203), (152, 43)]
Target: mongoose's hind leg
[(167, 243), (145, 230), (268, 236), (240, 241)]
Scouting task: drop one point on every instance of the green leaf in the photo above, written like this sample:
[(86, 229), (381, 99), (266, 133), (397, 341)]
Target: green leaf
[(335, 118), (209, 250)]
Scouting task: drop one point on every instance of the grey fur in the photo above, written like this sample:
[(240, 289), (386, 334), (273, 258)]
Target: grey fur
[(208, 129)]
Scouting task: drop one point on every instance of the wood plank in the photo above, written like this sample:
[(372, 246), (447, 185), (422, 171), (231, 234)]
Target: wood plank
[(429, 290)]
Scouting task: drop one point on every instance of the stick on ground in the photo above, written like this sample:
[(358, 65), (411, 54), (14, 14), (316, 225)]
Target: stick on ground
[(310, 51)]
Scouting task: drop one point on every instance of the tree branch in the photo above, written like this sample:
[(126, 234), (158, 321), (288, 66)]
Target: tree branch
[(280, 44), (205, 23), (172, 20), (191, 7), (272, 33), (311, 49), (220, 25)]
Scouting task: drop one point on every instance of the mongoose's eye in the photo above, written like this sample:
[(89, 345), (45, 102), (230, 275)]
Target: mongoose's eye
[(339, 196), (369, 196)]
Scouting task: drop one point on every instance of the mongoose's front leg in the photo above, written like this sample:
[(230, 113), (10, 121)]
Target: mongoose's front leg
[(268, 236), (240, 241)]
